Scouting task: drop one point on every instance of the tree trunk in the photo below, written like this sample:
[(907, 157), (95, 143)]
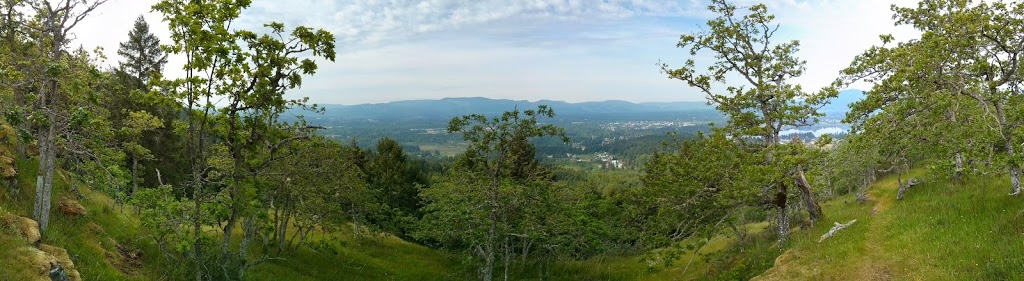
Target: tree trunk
[(782, 214), (249, 230), (903, 187), (782, 219), (1014, 169), (813, 209), (1015, 180), (44, 178), (959, 160), (41, 212), (225, 245), (1010, 151)]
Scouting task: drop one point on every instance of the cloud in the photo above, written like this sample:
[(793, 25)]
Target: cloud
[(375, 22), (576, 50)]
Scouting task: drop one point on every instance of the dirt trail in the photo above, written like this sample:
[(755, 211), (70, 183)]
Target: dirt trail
[(871, 264), (874, 265)]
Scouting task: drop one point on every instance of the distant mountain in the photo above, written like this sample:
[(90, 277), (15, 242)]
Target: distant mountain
[(450, 107), (445, 109)]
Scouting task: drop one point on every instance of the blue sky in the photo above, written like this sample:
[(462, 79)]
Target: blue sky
[(572, 50)]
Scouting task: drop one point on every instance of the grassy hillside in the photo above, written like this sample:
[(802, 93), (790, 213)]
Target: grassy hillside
[(942, 230), (97, 243), (108, 244)]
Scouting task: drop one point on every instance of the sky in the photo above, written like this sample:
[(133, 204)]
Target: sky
[(570, 50)]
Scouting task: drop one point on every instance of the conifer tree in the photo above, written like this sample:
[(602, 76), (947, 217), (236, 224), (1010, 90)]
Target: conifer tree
[(142, 53)]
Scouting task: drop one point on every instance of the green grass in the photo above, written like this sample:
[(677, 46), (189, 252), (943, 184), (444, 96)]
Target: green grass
[(721, 258), (343, 256), (942, 230)]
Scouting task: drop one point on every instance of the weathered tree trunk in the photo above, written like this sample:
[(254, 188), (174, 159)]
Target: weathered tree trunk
[(781, 213), (782, 219), (959, 160), (1014, 169), (1010, 150), (249, 233), (903, 187), (41, 211), (225, 245), (813, 209), (48, 151), (1015, 180), (282, 227)]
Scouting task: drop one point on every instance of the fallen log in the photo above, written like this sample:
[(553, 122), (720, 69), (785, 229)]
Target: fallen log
[(837, 228)]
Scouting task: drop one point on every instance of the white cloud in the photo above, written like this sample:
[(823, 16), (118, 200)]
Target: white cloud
[(574, 50)]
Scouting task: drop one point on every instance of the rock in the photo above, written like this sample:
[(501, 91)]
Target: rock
[(50, 263), (7, 166), (65, 268), (42, 263), (95, 228), (28, 227), (71, 207), (57, 273)]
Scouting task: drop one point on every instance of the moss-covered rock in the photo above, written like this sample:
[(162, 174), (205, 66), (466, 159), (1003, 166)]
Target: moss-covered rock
[(29, 228), (70, 207), (64, 262)]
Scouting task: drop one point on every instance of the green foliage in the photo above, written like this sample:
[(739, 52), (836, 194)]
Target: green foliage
[(496, 195), (742, 44), (394, 182), (953, 91), (701, 186)]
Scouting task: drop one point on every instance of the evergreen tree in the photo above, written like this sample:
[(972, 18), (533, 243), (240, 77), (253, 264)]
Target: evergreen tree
[(142, 53)]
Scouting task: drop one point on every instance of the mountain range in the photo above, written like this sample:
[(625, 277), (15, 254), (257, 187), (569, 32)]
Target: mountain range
[(447, 108)]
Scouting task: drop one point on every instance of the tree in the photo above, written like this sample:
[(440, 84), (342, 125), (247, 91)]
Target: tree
[(138, 122), (395, 183), (765, 103), (963, 69), (318, 188), (53, 28), (19, 61), (142, 53), (251, 72), (485, 174), (698, 186), (131, 101)]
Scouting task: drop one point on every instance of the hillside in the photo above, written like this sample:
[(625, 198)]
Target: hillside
[(107, 243), (941, 230)]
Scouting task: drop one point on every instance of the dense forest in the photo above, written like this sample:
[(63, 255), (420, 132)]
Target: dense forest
[(123, 173)]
